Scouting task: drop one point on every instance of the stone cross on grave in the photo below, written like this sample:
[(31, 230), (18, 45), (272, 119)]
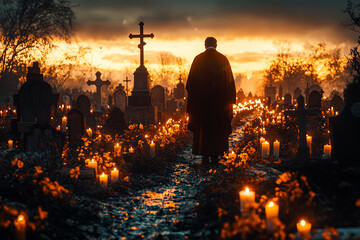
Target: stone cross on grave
[(98, 83), (142, 43), (301, 113), (127, 85)]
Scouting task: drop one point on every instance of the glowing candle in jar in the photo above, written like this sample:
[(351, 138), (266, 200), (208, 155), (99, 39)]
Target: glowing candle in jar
[(114, 175), (246, 197), (131, 150), (103, 178), (117, 149), (303, 229), (20, 225), (309, 141), (265, 149), (276, 149), (232, 155), (327, 149), (271, 210), (10, 144), (93, 164), (63, 123), (152, 149), (89, 132)]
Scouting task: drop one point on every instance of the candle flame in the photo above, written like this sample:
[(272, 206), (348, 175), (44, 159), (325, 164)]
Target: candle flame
[(232, 152), (271, 204), (103, 174), (302, 223), (92, 160), (117, 144), (247, 189), (20, 218), (114, 168), (152, 142)]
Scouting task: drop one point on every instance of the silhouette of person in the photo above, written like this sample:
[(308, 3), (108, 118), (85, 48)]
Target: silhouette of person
[(211, 94)]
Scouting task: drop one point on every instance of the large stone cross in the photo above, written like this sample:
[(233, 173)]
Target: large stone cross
[(301, 113), (98, 83), (142, 43)]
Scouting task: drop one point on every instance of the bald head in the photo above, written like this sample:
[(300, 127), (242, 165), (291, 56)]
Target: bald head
[(210, 42)]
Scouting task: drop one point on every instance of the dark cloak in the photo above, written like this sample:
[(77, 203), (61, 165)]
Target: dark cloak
[(211, 93)]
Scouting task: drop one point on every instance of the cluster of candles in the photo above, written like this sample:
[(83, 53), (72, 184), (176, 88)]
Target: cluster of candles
[(247, 197), (247, 106), (265, 148), (103, 178)]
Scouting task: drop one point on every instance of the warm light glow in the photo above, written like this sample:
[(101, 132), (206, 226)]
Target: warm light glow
[(302, 223), (271, 204), (20, 218), (247, 189), (103, 174)]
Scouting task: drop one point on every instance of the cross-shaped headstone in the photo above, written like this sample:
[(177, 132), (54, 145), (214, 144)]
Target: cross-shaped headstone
[(301, 113), (127, 85), (142, 43), (98, 83)]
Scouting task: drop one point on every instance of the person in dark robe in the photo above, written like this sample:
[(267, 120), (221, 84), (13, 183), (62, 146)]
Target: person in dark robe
[(211, 95)]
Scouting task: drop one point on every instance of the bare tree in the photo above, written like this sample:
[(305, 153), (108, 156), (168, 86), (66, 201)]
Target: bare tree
[(27, 25)]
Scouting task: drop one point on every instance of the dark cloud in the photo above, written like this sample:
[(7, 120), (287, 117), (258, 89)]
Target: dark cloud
[(173, 19)]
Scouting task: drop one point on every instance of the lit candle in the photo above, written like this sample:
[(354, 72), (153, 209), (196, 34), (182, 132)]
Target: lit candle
[(262, 140), (10, 144), (63, 123), (103, 178), (265, 149), (131, 150), (58, 128), (309, 141), (152, 149), (20, 225), (89, 132), (93, 164), (117, 149), (276, 149), (232, 155), (114, 175), (327, 149), (303, 229), (271, 210), (246, 197)]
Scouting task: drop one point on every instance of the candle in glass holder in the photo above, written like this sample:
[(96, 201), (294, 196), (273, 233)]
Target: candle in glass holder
[(276, 149), (20, 225), (152, 149), (327, 149), (265, 149), (309, 141), (63, 123), (117, 149), (271, 210), (303, 229), (89, 132), (93, 164), (10, 144), (114, 175), (131, 150), (103, 178), (232, 155), (246, 197)]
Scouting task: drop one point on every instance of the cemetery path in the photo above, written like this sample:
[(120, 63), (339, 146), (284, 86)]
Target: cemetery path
[(164, 211)]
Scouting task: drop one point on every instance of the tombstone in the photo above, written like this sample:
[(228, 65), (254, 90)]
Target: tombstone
[(140, 108), (300, 114), (240, 95), (171, 106), (115, 124), (297, 93), (76, 126), (158, 96), (120, 98), (337, 103), (345, 128), (98, 83), (250, 96), (66, 100), (287, 99), (34, 100), (83, 105), (270, 92), (314, 100), (44, 139), (179, 91)]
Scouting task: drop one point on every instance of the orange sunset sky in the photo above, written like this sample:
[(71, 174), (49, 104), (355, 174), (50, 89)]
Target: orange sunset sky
[(248, 32)]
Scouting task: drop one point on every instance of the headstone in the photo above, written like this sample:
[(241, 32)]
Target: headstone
[(287, 99), (98, 83), (43, 139), (76, 126), (115, 124), (240, 95), (314, 100), (66, 100), (83, 105), (297, 93), (179, 91), (345, 128), (171, 106), (270, 92), (337, 103), (140, 108), (120, 98), (314, 96), (300, 114), (158, 96)]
